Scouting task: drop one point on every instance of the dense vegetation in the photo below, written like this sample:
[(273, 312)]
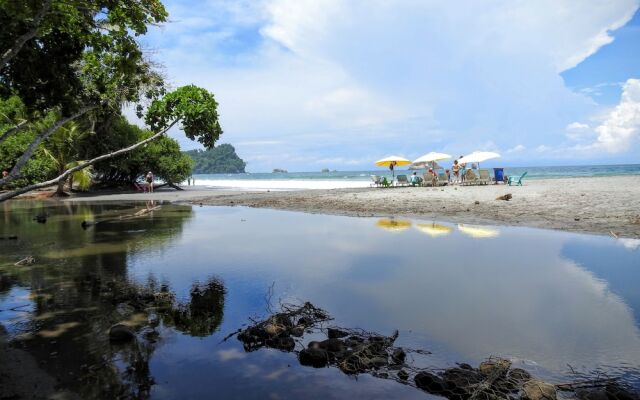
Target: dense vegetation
[(67, 68), (218, 160)]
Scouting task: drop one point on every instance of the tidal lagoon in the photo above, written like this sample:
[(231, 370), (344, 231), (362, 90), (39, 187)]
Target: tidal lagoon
[(560, 305)]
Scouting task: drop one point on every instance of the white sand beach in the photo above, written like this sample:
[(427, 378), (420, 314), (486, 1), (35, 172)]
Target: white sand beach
[(601, 205)]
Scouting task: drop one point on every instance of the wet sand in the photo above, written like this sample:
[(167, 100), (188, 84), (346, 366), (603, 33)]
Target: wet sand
[(601, 205)]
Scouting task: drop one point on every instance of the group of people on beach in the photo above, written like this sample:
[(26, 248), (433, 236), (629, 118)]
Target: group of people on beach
[(454, 175)]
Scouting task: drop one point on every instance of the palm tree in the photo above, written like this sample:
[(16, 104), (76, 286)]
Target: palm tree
[(62, 147)]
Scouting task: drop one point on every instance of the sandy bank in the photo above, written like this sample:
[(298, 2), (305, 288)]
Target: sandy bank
[(594, 205)]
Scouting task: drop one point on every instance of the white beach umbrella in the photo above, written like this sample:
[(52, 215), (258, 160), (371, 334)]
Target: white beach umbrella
[(478, 157), (431, 157)]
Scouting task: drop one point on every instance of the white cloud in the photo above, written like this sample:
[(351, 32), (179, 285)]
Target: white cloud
[(347, 80), (517, 148), (622, 125)]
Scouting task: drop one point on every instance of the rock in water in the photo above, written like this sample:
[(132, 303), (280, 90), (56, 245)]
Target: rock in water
[(334, 333), (398, 356), (314, 357), (121, 333), (538, 390), (430, 383), (498, 366)]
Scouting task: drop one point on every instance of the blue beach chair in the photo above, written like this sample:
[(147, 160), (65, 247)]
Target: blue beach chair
[(516, 180)]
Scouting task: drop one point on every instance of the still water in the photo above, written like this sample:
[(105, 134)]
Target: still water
[(555, 303)]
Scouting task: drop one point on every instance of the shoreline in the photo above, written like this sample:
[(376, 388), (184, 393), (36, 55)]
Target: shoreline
[(597, 205)]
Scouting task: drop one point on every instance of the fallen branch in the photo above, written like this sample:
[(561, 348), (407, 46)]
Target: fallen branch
[(87, 223)]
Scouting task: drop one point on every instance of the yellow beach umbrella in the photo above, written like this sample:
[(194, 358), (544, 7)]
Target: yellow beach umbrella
[(395, 225), (395, 161), (434, 230), (478, 232)]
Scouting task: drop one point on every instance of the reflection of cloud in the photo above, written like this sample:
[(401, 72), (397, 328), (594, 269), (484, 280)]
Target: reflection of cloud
[(515, 296), (631, 244), (231, 354)]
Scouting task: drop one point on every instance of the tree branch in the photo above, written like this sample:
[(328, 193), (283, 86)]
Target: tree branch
[(63, 176), (24, 158), (13, 130), (24, 38)]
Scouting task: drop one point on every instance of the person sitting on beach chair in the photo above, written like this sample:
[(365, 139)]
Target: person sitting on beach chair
[(415, 180)]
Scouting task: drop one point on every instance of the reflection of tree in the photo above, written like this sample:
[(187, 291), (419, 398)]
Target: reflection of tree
[(79, 288), (202, 315)]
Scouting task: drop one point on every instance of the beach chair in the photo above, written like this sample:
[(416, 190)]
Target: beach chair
[(377, 181), (470, 178), (402, 180), (516, 179), (484, 177)]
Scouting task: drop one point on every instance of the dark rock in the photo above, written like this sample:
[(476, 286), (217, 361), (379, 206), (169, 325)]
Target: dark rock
[(617, 392), (465, 366), (592, 394), (285, 343), (332, 345), (519, 375), (398, 356), (476, 202), (430, 383), (314, 357), (377, 362), (297, 331), (283, 319), (40, 218), (402, 374), (334, 333), (460, 382), (121, 333)]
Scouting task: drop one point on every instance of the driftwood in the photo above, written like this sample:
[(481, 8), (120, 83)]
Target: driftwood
[(29, 260), (88, 223)]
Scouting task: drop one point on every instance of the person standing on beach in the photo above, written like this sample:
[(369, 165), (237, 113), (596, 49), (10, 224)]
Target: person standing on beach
[(456, 171), (463, 170), (149, 179)]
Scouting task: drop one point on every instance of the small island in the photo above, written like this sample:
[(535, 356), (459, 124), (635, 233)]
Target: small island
[(280, 170), (218, 160)]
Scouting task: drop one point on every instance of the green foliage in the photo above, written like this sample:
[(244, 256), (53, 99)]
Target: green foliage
[(219, 160), (162, 156), (39, 167), (83, 51), (64, 148), (194, 107)]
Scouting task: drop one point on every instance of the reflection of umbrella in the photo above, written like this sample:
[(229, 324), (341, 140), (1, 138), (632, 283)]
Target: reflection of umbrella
[(392, 160), (434, 230), (478, 157), (431, 158), (478, 232), (394, 224)]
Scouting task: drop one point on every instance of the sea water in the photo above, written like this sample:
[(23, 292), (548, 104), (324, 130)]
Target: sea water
[(354, 179), (563, 306)]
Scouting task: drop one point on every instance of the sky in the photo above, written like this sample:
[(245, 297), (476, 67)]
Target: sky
[(306, 84)]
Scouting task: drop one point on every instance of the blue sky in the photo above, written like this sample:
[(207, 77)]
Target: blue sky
[(306, 85)]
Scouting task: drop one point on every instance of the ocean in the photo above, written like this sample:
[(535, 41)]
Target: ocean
[(354, 179)]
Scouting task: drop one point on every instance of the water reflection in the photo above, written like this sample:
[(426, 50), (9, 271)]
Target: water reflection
[(433, 229), (545, 298), (80, 286), (478, 232)]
